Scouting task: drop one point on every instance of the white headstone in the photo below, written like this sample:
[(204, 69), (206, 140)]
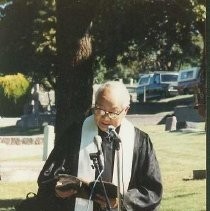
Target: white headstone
[(49, 138), (131, 81), (171, 123)]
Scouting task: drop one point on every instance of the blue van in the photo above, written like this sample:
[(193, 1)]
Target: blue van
[(188, 80)]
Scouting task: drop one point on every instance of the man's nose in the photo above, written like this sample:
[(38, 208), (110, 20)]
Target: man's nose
[(106, 115)]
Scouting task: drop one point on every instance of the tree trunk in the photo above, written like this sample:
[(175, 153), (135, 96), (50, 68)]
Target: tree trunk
[(74, 80), (201, 90)]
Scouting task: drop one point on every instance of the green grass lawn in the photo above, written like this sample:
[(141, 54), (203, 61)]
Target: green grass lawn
[(178, 154)]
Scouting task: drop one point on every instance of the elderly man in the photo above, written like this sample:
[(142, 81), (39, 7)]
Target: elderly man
[(139, 180)]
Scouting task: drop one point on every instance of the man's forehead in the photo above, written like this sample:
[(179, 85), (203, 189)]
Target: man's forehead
[(109, 97), (113, 106), (109, 93)]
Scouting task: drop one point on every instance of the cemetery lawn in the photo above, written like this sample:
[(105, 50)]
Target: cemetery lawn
[(178, 153)]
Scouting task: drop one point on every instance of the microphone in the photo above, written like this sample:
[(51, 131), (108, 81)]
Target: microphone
[(113, 134), (98, 141)]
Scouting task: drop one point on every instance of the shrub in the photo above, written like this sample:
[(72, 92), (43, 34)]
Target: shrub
[(14, 90)]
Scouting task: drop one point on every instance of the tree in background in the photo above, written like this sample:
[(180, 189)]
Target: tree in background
[(199, 10), (61, 40), (123, 34), (159, 35), (74, 72), (27, 39)]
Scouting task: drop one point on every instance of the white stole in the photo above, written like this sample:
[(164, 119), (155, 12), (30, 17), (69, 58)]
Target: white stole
[(87, 146)]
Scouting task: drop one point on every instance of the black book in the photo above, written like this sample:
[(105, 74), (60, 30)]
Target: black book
[(66, 182)]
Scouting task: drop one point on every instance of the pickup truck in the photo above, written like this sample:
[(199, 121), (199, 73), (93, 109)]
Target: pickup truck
[(157, 85)]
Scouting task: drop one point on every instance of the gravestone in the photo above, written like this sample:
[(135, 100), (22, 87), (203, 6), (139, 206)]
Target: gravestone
[(170, 123), (40, 110), (49, 138), (199, 174), (187, 113), (186, 125)]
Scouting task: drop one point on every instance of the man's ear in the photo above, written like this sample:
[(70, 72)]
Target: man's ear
[(126, 110)]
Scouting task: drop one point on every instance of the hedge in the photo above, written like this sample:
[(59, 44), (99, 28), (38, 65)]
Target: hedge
[(14, 92)]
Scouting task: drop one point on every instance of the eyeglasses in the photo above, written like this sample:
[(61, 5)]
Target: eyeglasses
[(101, 112)]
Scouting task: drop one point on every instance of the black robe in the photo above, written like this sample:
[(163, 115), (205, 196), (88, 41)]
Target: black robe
[(144, 190)]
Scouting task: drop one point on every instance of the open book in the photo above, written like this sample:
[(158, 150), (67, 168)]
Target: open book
[(84, 188)]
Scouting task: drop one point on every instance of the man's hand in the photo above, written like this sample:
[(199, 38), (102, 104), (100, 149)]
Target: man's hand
[(65, 194), (67, 186), (101, 200)]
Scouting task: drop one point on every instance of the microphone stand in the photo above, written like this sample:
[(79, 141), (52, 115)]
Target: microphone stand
[(117, 150), (95, 158)]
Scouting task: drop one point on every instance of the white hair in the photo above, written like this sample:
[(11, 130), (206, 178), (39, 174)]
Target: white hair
[(120, 89)]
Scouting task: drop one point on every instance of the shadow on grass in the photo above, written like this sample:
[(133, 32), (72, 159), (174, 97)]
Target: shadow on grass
[(189, 131), (15, 131), (9, 204), (180, 196), (185, 195)]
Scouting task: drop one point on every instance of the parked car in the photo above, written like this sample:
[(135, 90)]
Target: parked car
[(188, 80), (157, 85)]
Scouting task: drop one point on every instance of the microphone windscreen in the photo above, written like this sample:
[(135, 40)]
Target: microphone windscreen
[(111, 128)]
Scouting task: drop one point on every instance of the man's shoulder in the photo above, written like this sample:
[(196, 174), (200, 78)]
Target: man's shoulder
[(140, 132), (142, 139)]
